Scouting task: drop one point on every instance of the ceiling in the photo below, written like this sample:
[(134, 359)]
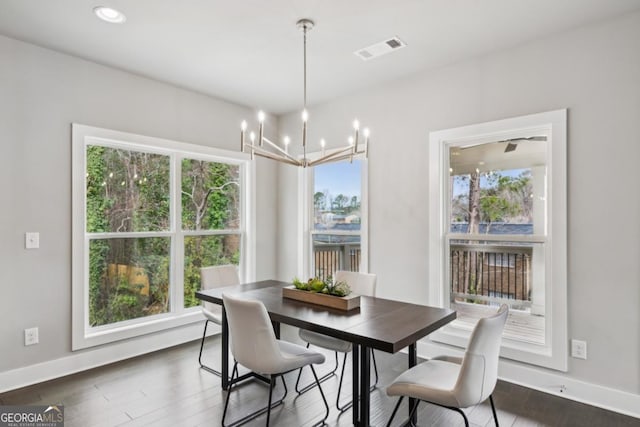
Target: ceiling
[(250, 51), (491, 156)]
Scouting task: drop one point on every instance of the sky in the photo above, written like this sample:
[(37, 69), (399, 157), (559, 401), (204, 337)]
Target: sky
[(344, 178), (339, 178)]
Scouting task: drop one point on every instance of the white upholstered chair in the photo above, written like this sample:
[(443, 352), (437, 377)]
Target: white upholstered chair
[(215, 277), (255, 346), (361, 284), (453, 382)]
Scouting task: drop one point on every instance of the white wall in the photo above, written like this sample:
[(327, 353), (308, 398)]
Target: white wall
[(41, 93), (594, 72)]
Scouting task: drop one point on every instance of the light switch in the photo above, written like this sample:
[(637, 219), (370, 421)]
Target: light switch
[(32, 240)]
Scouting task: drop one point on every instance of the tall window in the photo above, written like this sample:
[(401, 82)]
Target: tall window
[(502, 199), (337, 225), (149, 214)]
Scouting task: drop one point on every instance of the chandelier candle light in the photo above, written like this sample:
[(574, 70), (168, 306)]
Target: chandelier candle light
[(275, 152)]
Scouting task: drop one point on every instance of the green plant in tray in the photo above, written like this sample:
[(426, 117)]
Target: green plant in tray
[(300, 284), (328, 286), (339, 289)]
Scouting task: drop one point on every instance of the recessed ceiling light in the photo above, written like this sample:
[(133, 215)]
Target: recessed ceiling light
[(110, 15)]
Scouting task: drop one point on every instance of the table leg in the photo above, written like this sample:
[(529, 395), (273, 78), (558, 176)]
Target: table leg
[(365, 383), (355, 408), (413, 360), (224, 370), (276, 328)]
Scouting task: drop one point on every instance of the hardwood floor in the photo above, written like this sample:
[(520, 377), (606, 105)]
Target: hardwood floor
[(167, 388)]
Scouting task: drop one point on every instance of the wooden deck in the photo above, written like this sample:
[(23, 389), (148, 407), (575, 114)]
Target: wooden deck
[(520, 326)]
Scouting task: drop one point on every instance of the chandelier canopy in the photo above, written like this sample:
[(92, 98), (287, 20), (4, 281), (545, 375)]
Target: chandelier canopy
[(264, 147)]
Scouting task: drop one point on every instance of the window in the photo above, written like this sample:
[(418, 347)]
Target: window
[(498, 233), (337, 218), (148, 214)]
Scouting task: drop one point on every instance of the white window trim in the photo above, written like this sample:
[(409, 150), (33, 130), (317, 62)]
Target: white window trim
[(82, 335), (305, 213), (554, 353)]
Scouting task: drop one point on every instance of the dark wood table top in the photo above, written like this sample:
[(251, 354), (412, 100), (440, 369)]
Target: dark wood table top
[(379, 323)]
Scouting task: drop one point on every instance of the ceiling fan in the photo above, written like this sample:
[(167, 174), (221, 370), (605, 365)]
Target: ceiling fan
[(512, 143)]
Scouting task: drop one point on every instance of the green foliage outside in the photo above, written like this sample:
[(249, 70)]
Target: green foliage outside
[(128, 191), (210, 201), (502, 198)]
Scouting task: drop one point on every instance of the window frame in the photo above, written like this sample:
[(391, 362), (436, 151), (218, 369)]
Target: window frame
[(306, 213), (84, 336), (554, 353)]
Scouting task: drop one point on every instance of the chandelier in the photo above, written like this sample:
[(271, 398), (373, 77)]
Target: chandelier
[(264, 147)]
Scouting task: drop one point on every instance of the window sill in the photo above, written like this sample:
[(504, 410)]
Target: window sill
[(91, 337)]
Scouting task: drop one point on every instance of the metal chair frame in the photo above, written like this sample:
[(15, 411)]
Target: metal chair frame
[(331, 373), (202, 365), (458, 410), (270, 404)]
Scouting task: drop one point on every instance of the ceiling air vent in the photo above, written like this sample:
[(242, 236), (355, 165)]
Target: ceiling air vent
[(379, 49)]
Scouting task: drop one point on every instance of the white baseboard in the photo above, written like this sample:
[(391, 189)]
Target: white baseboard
[(551, 382), (103, 355)]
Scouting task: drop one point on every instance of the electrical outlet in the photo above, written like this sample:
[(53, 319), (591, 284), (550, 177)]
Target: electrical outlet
[(32, 240), (579, 349), (31, 336)]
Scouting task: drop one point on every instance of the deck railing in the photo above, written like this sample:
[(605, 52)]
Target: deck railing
[(489, 272), (331, 257), (479, 272)]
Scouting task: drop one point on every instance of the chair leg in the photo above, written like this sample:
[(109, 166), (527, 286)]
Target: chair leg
[(349, 404), (409, 422), (375, 368), (493, 408), (272, 382), (226, 401), (413, 412), (415, 408), (393, 414), (203, 366), (458, 410), (461, 412), (324, 399), (322, 378), (286, 390)]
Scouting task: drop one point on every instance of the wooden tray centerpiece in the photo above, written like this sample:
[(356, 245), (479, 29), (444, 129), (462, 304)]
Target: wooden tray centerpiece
[(325, 293)]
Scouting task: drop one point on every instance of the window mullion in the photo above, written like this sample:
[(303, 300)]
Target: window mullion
[(177, 242), (529, 238)]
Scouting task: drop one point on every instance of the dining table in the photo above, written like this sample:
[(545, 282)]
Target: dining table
[(378, 323)]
